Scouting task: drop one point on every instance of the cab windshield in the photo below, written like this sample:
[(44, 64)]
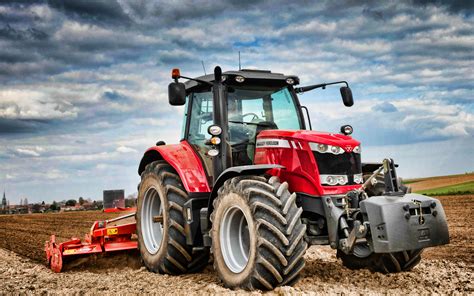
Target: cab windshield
[(249, 112)]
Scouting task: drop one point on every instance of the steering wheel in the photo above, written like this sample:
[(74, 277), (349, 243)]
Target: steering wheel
[(255, 116)]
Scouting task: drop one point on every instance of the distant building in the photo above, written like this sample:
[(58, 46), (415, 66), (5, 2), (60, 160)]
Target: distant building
[(4, 201), (114, 199)]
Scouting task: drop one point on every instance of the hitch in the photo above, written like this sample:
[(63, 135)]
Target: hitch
[(359, 230)]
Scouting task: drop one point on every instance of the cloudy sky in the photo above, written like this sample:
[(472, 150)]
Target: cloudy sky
[(83, 83)]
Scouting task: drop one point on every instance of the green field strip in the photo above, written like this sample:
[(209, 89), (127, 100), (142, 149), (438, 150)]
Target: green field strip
[(458, 189)]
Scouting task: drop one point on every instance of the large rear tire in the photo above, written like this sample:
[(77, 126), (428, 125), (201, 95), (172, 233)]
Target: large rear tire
[(257, 234), (382, 262), (163, 245)]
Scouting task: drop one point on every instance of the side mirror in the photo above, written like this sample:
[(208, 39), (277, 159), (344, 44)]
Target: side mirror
[(346, 95), (177, 93)]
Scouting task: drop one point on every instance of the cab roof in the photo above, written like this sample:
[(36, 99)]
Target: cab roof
[(252, 77)]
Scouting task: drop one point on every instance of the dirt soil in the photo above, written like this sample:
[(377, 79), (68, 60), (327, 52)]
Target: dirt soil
[(443, 270), (459, 211), (26, 234), (437, 182)]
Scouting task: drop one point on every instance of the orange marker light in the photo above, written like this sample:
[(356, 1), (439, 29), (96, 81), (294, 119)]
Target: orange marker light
[(215, 141), (175, 73)]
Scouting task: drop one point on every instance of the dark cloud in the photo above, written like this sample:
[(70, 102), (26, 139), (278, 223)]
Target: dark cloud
[(168, 13), (385, 107), (8, 32), (115, 96), (101, 11), (465, 6), (16, 126)]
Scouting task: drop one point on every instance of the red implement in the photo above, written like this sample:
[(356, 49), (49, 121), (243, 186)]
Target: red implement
[(119, 209), (102, 238)]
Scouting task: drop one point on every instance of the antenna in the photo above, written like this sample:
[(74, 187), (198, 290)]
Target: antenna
[(203, 68), (239, 62)]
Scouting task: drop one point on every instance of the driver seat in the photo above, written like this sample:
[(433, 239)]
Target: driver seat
[(263, 125)]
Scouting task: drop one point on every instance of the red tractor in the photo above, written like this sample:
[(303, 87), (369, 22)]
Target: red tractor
[(250, 183)]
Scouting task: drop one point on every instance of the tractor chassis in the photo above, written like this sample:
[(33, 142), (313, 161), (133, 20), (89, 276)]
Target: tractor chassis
[(393, 222)]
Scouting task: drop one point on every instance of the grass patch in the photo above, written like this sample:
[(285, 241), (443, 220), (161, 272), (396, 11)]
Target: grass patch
[(415, 180), (458, 189), (410, 181)]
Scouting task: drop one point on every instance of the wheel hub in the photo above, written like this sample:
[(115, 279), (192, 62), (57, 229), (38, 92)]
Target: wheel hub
[(361, 250), (234, 238), (152, 231)]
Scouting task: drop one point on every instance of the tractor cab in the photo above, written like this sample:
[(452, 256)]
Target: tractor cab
[(241, 104), (249, 108)]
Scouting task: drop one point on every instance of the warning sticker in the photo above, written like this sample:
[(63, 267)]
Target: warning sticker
[(70, 251), (112, 231)]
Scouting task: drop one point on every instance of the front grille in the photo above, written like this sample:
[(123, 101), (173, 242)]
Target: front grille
[(342, 164)]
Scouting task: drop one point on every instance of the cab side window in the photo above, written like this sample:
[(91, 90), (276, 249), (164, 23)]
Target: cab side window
[(201, 117)]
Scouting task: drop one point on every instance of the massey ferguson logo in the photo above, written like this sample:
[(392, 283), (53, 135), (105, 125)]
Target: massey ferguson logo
[(349, 148)]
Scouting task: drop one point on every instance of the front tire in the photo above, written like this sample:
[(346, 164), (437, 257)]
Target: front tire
[(380, 262), (257, 234), (163, 245)]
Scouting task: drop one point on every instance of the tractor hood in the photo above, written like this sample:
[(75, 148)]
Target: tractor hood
[(343, 141)]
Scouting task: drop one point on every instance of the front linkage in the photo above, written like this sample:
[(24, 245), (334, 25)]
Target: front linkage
[(394, 227)]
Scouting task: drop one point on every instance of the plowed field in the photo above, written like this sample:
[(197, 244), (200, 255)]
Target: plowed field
[(442, 181), (443, 269), (26, 234)]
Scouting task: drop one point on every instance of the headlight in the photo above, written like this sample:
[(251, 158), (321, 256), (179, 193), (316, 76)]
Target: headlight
[(324, 148), (213, 152), (214, 130), (333, 179), (330, 180), (346, 130), (335, 149)]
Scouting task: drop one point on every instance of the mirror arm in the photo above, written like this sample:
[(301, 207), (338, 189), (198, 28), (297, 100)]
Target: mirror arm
[(323, 85), (197, 80)]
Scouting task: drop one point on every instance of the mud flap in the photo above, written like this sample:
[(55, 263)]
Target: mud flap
[(408, 222)]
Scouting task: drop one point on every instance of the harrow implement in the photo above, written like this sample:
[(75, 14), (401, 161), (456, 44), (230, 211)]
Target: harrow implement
[(102, 238)]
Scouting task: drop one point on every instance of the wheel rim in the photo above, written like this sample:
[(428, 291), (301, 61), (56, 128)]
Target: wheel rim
[(234, 239), (152, 232), (361, 250)]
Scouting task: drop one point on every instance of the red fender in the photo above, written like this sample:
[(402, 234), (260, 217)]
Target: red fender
[(184, 160)]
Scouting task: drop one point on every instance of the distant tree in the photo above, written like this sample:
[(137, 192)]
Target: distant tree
[(42, 203), (36, 208), (54, 206), (99, 204), (71, 203), (81, 200), (130, 202)]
